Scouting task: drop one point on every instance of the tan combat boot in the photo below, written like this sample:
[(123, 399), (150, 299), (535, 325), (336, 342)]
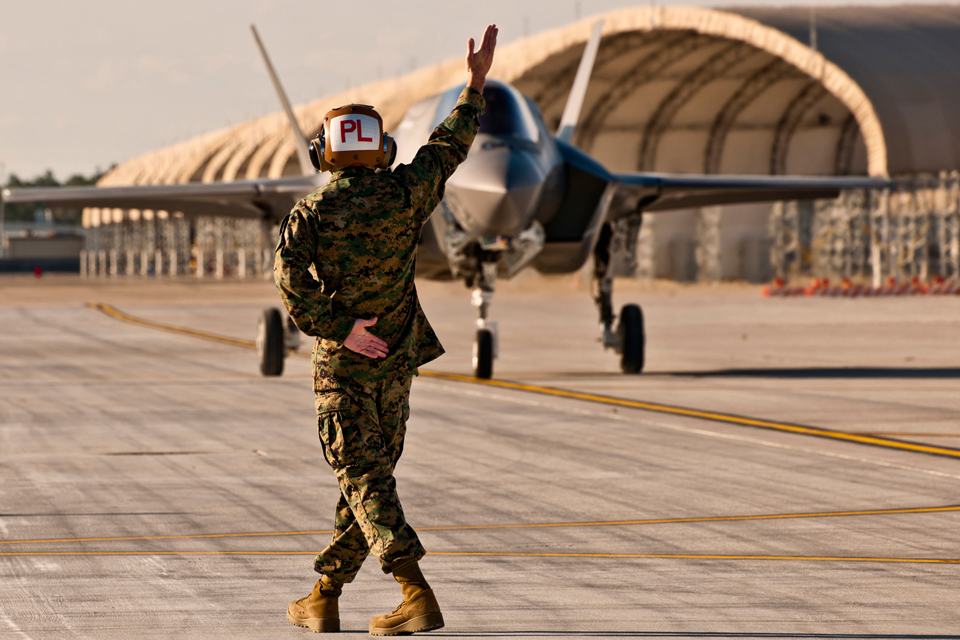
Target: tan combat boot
[(319, 611), (419, 610)]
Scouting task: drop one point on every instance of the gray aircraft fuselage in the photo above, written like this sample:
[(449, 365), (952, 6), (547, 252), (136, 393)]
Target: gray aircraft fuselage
[(514, 180)]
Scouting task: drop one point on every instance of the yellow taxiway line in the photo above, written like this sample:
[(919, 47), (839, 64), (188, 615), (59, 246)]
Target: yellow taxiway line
[(613, 523), (119, 315), (706, 415), (691, 556), (668, 556), (591, 397)]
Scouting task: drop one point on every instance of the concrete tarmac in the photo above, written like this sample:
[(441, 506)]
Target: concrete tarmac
[(154, 485)]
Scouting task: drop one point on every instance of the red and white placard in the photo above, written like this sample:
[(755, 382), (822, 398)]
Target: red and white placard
[(353, 132)]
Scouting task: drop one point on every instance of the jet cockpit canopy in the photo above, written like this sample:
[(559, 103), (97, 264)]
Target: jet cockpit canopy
[(507, 113)]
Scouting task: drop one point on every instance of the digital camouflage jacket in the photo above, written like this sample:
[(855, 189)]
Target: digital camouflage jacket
[(360, 232)]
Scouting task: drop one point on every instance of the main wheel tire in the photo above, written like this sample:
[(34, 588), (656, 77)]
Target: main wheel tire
[(291, 336), (632, 337), (270, 342), (483, 354)]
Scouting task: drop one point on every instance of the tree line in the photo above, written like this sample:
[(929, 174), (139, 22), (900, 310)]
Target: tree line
[(27, 211)]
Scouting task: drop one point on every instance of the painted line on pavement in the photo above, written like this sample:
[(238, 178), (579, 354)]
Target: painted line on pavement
[(190, 536), (613, 523), (668, 556), (707, 415), (728, 418), (907, 434), (690, 556), (113, 312)]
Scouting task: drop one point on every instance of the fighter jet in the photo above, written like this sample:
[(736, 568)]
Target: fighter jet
[(524, 198)]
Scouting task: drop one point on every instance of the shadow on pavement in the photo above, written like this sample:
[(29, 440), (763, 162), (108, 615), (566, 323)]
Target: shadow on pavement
[(688, 634), (825, 372), (930, 373)]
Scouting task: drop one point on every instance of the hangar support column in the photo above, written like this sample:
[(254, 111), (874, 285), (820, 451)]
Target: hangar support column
[(791, 231), (708, 244)]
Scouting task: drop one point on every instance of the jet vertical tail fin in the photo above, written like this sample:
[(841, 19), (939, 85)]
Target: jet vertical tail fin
[(303, 154), (571, 112)]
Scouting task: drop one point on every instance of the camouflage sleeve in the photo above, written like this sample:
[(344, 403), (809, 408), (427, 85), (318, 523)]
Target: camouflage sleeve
[(313, 312), (436, 161)]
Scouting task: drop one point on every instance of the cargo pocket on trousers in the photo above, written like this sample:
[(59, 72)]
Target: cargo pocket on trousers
[(350, 432), (334, 424)]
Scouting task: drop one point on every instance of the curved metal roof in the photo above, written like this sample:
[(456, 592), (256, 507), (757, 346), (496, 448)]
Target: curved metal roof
[(906, 59), (675, 86), (682, 89)]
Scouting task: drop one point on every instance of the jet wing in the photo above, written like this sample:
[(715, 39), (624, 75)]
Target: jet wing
[(656, 192), (240, 199)]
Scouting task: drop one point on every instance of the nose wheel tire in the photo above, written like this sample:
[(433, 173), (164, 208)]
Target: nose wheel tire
[(483, 354), (270, 342), (632, 339)]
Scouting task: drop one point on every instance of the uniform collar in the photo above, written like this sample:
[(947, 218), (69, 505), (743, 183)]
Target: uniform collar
[(350, 172)]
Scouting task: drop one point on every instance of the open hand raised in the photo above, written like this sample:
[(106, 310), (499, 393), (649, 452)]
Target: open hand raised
[(479, 61)]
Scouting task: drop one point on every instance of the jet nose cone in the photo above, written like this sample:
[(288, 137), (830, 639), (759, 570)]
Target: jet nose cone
[(496, 189)]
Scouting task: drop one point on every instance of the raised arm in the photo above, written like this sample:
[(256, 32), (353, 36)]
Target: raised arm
[(425, 176), (479, 62)]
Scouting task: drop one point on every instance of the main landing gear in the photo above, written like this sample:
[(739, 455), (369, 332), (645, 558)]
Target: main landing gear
[(628, 339), (631, 339), (485, 342), (277, 335)]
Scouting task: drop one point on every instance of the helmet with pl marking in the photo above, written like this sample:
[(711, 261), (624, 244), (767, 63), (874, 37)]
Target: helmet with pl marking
[(352, 135)]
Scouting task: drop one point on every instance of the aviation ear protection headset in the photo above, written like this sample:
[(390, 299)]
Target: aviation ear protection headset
[(352, 135)]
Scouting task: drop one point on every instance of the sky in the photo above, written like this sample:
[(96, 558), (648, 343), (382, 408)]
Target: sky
[(88, 84)]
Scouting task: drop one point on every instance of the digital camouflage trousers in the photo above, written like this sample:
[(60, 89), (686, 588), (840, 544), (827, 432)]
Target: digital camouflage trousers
[(362, 437)]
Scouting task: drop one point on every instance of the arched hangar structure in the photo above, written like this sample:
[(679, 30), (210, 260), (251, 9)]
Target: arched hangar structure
[(701, 91), (687, 90)]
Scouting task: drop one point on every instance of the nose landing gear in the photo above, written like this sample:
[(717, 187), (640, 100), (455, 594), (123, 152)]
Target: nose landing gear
[(485, 341), (483, 354)]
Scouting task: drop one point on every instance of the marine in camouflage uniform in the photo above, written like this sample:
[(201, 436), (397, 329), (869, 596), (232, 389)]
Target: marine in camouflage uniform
[(360, 233)]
